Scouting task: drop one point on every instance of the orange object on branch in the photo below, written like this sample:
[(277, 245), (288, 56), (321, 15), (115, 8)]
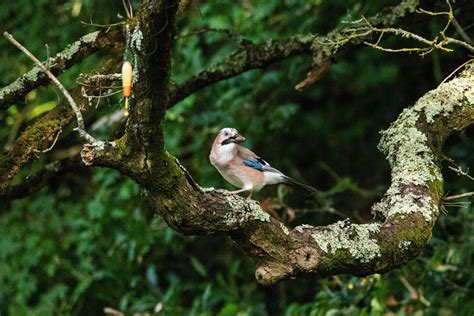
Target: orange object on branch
[(127, 78), (126, 83)]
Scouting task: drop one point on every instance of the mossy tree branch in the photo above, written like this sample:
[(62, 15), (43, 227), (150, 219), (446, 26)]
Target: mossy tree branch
[(33, 138), (410, 207), (71, 55), (140, 152), (323, 49)]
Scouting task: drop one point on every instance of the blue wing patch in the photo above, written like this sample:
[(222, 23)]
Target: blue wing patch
[(256, 164)]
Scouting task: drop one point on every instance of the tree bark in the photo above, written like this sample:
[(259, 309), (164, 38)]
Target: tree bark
[(412, 145), (25, 148)]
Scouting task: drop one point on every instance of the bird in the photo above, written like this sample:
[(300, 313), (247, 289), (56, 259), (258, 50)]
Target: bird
[(243, 168)]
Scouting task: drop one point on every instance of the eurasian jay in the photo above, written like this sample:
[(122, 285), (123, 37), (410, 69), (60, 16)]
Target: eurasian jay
[(243, 168)]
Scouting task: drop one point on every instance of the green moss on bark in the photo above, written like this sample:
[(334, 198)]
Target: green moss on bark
[(31, 140)]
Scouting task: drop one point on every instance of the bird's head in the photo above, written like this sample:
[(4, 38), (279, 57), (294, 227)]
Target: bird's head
[(229, 136)]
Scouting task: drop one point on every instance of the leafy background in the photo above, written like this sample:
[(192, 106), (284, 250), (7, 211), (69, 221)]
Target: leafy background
[(88, 240)]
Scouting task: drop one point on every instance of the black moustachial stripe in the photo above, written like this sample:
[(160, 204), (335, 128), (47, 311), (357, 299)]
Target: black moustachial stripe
[(227, 141)]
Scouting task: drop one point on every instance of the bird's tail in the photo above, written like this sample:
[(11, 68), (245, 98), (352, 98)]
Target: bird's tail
[(300, 186)]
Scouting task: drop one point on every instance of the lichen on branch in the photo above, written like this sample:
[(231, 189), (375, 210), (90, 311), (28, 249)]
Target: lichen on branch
[(412, 145), (26, 146), (410, 207), (71, 55), (322, 48)]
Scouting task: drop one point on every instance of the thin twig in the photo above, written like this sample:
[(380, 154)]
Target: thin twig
[(461, 172), (431, 44), (449, 13), (100, 77), (100, 96), (130, 8), (458, 196), (461, 32), (450, 40), (80, 121), (98, 80), (102, 25), (446, 79), (420, 10), (125, 7), (52, 145)]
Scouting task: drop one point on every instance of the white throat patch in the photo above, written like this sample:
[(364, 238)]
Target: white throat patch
[(225, 153)]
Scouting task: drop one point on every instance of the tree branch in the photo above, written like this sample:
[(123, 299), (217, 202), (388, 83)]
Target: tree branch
[(430, 45), (70, 56), (77, 112), (248, 57), (412, 146), (322, 48), (32, 139), (139, 153), (409, 208), (151, 46)]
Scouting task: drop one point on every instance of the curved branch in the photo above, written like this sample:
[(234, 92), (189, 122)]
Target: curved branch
[(322, 48), (248, 57), (71, 55), (80, 120), (410, 207)]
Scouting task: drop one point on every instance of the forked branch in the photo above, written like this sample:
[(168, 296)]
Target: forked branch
[(80, 120), (323, 49), (71, 55)]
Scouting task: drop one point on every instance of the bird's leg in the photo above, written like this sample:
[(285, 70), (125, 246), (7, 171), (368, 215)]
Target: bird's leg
[(240, 191), (246, 187), (250, 195)]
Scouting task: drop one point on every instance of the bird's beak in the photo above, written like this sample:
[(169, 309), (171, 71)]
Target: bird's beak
[(238, 139)]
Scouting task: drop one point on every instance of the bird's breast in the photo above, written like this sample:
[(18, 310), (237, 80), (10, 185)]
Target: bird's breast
[(241, 175), (230, 175), (222, 155)]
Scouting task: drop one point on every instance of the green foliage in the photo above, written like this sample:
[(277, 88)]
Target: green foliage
[(88, 241), (60, 253)]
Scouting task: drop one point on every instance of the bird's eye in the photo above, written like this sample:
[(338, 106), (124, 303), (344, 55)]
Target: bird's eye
[(226, 134)]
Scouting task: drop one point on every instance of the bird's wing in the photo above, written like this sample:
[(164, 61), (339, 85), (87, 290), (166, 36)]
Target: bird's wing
[(250, 159), (252, 163), (246, 153)]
